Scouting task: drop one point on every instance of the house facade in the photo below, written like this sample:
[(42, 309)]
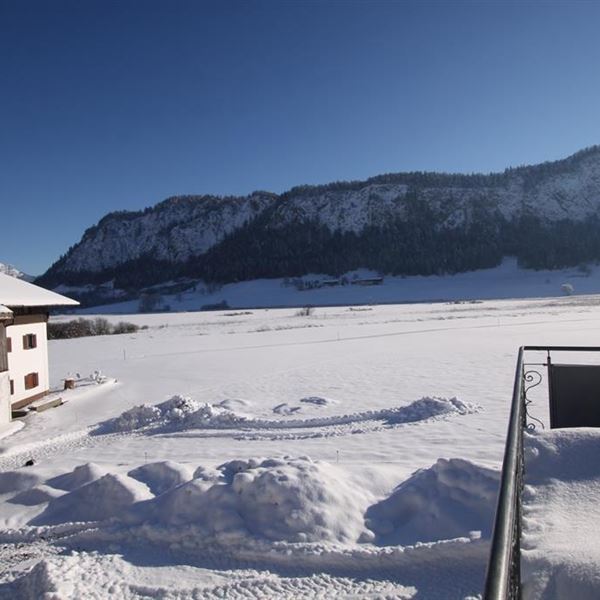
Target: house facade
[(24, 341), (5, 315)]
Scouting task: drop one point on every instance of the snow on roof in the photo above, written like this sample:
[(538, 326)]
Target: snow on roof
[(16, 292), (5, 313)]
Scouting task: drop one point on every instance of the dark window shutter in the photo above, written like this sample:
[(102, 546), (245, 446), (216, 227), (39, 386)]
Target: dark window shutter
[(31, 380)]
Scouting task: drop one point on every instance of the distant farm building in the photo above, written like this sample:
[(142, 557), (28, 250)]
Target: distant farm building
[(331, 282), (24, 310), (368, 281)]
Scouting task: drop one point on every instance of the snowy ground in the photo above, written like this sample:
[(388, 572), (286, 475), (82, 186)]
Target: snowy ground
[(352, 453), (504, 281), (560, 549)]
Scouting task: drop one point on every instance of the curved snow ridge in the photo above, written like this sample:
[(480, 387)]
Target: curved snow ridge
[(182, 413)]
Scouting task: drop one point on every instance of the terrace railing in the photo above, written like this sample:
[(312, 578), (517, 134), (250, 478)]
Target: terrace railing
[(503, 578)]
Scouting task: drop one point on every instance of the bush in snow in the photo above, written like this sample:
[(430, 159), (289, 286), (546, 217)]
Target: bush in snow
[(87, 327), (305, 311)]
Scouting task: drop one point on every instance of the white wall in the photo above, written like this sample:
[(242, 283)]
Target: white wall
[(21, 362), (4, 398)]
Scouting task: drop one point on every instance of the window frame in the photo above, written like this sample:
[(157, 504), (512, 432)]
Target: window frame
[(29, 341)]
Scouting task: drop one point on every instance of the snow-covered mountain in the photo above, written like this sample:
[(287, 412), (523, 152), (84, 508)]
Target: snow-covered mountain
[(14, 272), (384, 223), (173, 230)]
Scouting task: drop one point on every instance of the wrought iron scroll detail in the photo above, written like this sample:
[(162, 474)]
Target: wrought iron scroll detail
[(532, 379)]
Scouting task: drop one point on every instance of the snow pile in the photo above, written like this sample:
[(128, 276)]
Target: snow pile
[(426, 408), (36, 495), (101, 499), (448, 500), (287, 499), (162, 476), (79, 476), (317, 400), (286, 409), (14, 481), (560, 553), (40, 582), (209, 416), (232, 404), (173, 410)]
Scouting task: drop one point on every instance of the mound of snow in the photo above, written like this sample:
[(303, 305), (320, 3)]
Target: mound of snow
[(79, 476), (288, 499), (426, 408), (101, 499), (233, 404), (560, 553), (286, 409), (317, 400), (172, 412), (163, 476), (448, 500), (15, 481), (36, 495)]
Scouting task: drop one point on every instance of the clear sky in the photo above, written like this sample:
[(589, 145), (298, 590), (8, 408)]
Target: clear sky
[(111, 105)]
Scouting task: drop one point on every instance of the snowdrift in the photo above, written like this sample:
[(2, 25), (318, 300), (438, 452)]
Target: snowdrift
[(162, 476), (36, 495), (287, 499), (96, 501), (450, 499), (560, 553), (13, 481), (79, 476)]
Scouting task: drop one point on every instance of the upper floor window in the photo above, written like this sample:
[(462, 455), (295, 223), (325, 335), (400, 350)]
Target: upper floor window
[(9, 344), (29, 341)]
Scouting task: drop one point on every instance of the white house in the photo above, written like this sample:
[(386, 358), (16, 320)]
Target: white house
[(24, 342)]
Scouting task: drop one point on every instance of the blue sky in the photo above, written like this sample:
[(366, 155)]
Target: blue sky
[(111, 105)]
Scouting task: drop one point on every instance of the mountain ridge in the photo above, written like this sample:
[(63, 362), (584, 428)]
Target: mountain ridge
[(401, 223)]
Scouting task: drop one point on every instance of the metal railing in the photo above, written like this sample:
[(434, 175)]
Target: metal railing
[(503, 578)]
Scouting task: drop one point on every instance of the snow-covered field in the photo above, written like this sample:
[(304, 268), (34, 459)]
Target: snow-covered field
[(507, 280), (351, 453)]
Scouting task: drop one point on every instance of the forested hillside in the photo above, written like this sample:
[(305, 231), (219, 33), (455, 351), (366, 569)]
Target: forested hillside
[(547, 215)]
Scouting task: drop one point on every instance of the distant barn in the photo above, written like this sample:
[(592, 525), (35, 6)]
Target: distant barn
[(368, 281)]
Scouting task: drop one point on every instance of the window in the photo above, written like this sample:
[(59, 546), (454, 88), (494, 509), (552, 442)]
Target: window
[(31, 381), (9, 344), (12, 387), (29, 341)]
